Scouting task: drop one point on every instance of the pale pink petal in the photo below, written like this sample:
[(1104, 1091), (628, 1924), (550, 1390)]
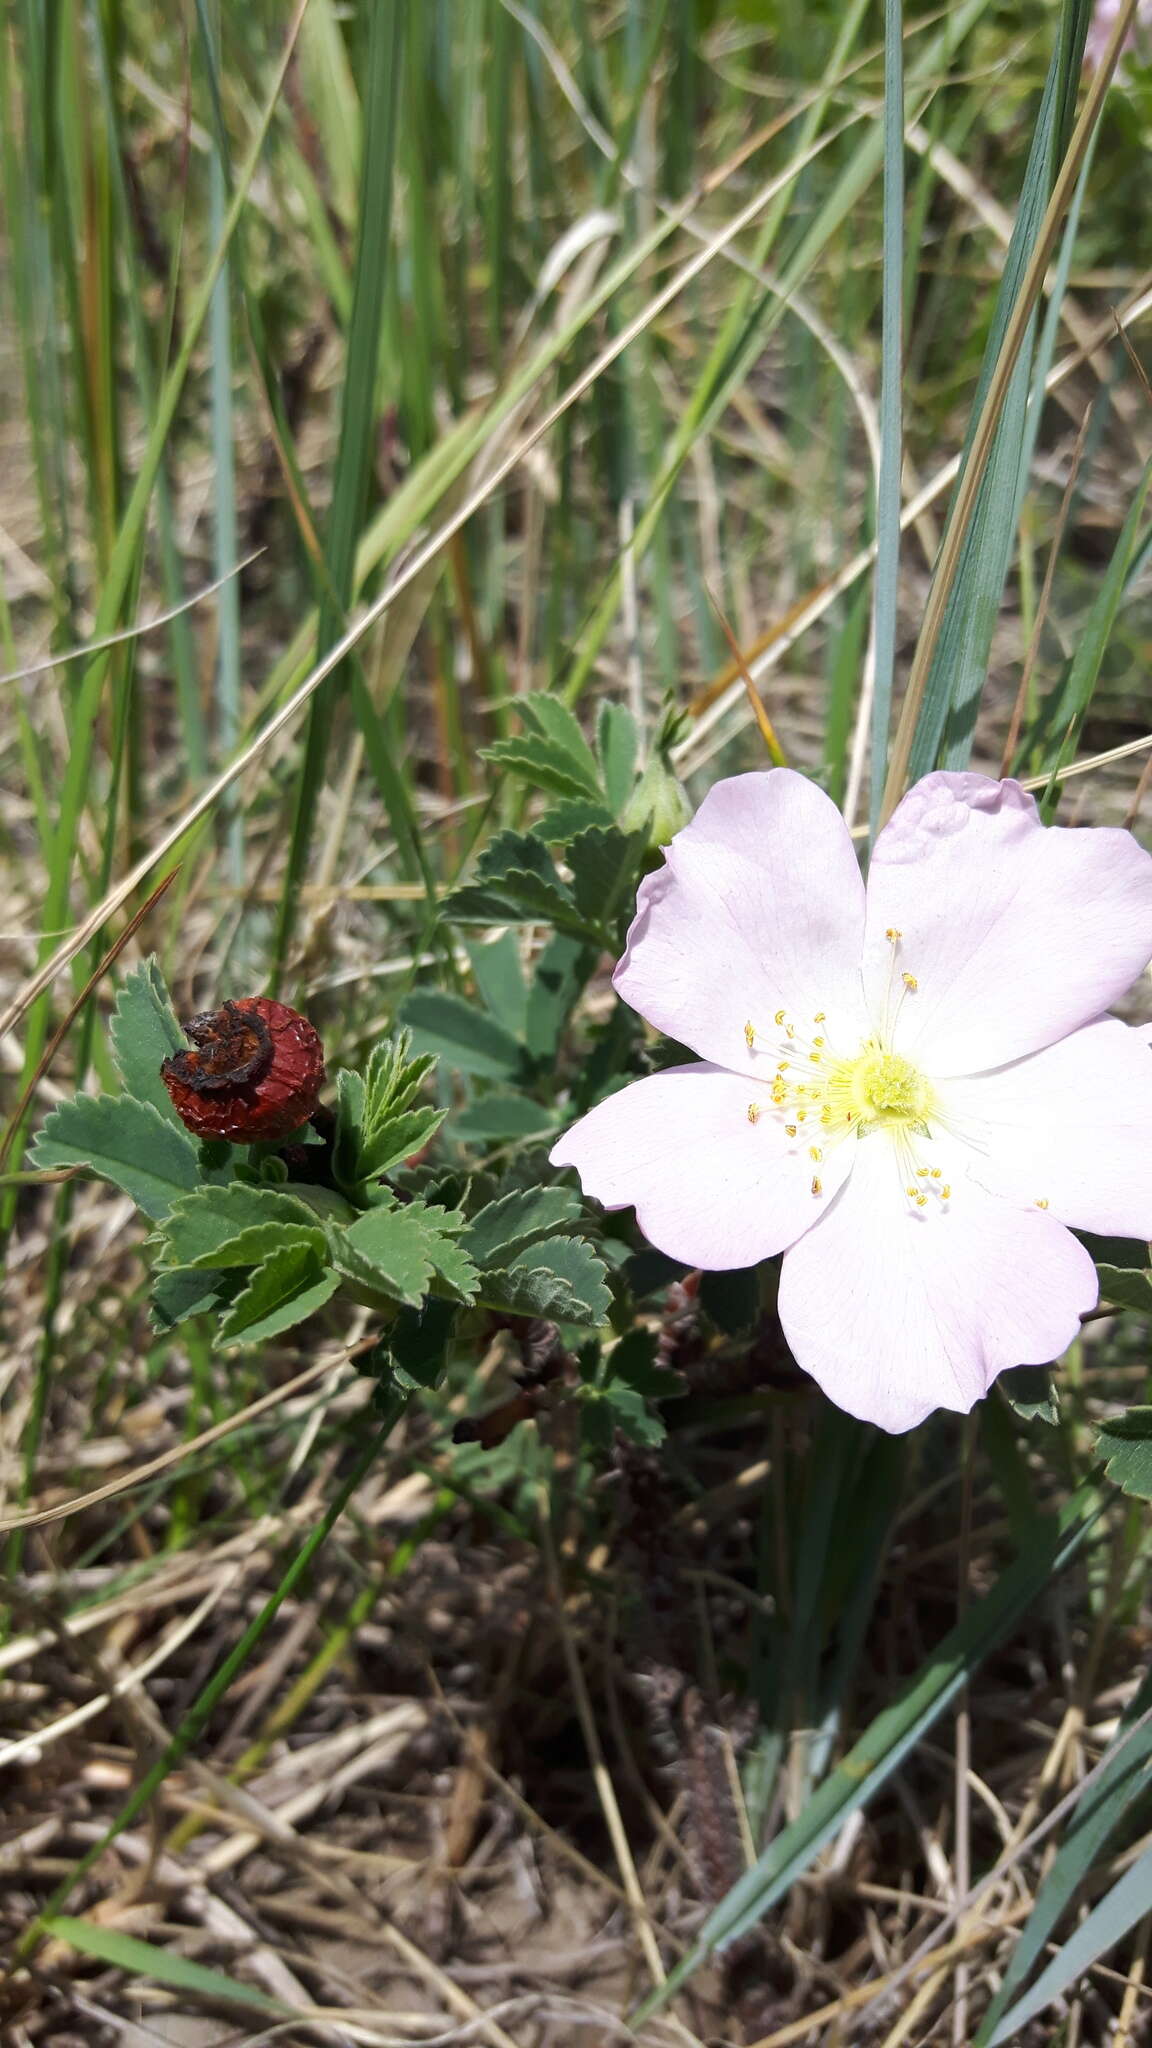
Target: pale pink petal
[(759, 908), (897, 1311), (708, 1185), (1013, 934), (1071, 1126)]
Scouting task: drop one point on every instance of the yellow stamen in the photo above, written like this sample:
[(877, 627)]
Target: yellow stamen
[(817, 1185), (753, 1112)]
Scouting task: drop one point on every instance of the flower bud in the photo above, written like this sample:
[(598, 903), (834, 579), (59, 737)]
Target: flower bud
[(253, 1074), (658, 806)]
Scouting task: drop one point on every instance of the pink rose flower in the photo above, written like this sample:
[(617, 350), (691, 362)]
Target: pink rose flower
[(911, 1090)]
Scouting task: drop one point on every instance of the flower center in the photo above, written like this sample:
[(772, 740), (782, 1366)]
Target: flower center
[(881, 1087), (824, 1094)]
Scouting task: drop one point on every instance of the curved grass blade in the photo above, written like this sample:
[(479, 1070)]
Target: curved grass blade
[(355, 450), (884, 1745), (160, 1965), (1118, 1911), (1123, 1779)]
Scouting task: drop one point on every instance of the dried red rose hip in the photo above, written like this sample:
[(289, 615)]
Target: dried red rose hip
[(253, 1074)]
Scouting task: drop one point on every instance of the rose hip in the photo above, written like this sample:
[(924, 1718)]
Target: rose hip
[(253, 1073)]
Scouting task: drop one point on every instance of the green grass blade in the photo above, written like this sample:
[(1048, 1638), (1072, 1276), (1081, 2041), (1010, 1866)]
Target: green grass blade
[(961, 592), (889, 497), (885, 1744), (1108, 1922), (1121, 1780), (159, 1965), (123, 566), (357, 420)]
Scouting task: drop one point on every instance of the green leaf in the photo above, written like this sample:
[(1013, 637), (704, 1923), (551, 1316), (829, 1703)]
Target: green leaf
[(375, 1127), (555, 721), (1126, 1443), (632, 1363), (162, 1965), (396, 1250), (507, 1226), (417, 1344), (251, 1247), (180, 1292), (563, 969), (541, 764), (465, 1037), (617, 741), (291, 1284), (144, 1030), (500, 979), (1030, 1392), (398, 1139), (503, 1118), (1124, 1287), (631, 1415), (560, 1277), (201, 1224), (552, 752), (516, 882), (568, 818), (602, 864), (125, 1141)]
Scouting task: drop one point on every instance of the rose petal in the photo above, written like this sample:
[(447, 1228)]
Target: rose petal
[(1071, 1126), (898, 1311), (1015, 934), (708, 1186), (759, 908)]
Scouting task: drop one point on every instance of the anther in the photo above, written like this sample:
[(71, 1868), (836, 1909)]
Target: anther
[(815, 1058), (947, 1194), (749, 1034), (935, 1173), (753, 1112), (910, 983), (817, 1184), (779, 1017), (921, 1201), (790, 1129), (817, 1041), (1041, 1200), (820, 1016), (814, 1152), (892, 933)]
